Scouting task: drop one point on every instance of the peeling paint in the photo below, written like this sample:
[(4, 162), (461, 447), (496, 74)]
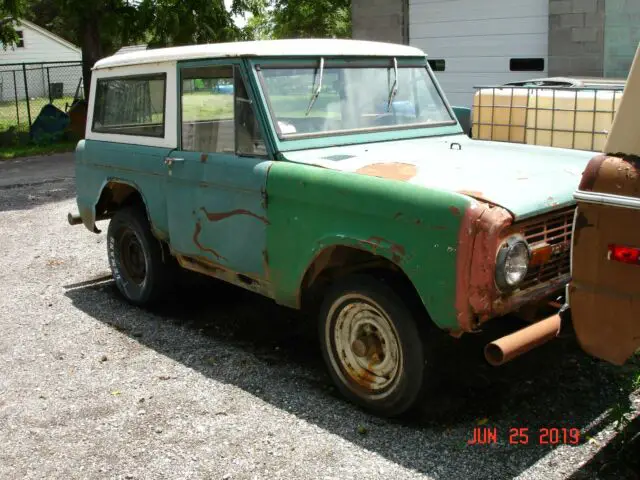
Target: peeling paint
[(393, 171), (473, 194), (480, 234), (265, 264), (398, 252), (196, 241), (216, 217)]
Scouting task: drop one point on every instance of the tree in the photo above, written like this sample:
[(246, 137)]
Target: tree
[(309, 18), (10, 12), (185, 22), (101, 27)]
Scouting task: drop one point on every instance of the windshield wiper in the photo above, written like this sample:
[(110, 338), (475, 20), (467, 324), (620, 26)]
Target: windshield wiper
[(316, 92), (394, 87)]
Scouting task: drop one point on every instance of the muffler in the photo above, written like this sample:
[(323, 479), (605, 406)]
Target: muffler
[(507, 348)]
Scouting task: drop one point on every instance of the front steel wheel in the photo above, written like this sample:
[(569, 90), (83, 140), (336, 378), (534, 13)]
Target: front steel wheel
[(372, 346)]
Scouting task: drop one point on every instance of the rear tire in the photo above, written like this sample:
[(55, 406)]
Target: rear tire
[(373, 346), (135, 257)]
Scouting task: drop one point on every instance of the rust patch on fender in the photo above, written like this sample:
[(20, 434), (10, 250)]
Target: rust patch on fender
[(483, 290), (392, 171), (615, 175), (478, 240), (398, 252), (455, 211), (196, 241), (590, 173), (216, 217), (265, 264)]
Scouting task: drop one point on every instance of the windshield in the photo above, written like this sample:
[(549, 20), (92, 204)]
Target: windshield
[(320, 100)]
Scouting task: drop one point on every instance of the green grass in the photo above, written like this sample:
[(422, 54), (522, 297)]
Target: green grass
[(206, 106), (7, 153), (213, 106)]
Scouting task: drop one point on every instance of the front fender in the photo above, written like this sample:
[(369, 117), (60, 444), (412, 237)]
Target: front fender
[(416, 228)]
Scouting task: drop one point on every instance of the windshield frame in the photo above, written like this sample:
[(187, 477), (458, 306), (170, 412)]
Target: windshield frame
[(360, 135)]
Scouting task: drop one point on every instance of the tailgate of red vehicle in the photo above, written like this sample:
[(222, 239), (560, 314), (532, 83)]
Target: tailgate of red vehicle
[(605, 288)]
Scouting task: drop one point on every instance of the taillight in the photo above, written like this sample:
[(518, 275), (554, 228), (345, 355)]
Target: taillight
[(620, 253)]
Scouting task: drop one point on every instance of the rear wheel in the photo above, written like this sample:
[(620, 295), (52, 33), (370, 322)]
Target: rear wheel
[(372, 346), (135, 257)]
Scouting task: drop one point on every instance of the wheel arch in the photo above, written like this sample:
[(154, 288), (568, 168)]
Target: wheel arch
[(343, 257), (115, 193)]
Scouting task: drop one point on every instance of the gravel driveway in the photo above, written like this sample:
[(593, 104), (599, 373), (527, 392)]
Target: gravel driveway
[(221, 384)]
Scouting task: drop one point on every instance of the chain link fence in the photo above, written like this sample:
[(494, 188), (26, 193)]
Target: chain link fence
[(25, 88)]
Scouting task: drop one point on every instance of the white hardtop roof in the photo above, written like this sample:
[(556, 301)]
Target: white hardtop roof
[(298, 47)]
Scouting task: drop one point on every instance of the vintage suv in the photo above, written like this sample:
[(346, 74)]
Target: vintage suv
[(328, 175)]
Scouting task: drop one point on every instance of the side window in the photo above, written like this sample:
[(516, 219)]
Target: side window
[(130, 105), (207, 109), (249, 139), (217, 115)]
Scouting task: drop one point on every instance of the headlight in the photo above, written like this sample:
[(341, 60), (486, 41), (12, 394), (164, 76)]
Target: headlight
[(512, 263)]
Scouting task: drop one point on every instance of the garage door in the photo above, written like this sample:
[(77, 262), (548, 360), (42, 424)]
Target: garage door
[(480, 42)]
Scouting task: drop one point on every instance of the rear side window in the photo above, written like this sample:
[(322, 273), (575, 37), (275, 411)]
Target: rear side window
[(131, 105)]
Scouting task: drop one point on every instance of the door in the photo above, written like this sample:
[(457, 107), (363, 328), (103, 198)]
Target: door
[(472, 43), (216, 179)]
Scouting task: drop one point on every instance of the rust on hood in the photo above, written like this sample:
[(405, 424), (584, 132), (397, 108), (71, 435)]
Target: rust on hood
[(475, 194), (393, 171), (216, 217)]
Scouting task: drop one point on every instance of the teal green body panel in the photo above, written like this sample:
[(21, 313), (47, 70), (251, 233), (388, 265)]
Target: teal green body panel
[(213, 210), (216, 200), (527, 180), (98, 163), (312, 208), (216, 210)]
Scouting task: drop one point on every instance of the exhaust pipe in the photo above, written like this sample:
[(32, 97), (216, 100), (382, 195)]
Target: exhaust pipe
[(77, 220), (507, 348)]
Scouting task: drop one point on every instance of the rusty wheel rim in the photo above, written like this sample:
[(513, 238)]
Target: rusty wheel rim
[(366, 347), (132, 257)]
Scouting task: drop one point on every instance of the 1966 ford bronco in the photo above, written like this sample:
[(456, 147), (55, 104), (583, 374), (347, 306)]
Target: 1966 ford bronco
[(328, 175)]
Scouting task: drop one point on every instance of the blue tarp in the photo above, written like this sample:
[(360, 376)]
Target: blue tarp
[(50, 125)]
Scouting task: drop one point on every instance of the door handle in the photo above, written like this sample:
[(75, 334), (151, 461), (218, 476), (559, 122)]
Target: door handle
[(169, 161)]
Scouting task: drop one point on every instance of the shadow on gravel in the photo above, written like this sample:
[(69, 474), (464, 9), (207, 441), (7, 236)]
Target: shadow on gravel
[(26, 197), (619, 459), (235, 337)]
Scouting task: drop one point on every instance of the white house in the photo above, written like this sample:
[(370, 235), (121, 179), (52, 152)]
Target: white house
[(50, 64), (490, 42)]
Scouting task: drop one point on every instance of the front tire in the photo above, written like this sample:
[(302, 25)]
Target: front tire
[(372, 346), (135, 257)]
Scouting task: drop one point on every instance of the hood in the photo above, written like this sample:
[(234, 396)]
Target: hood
[(526, 180)]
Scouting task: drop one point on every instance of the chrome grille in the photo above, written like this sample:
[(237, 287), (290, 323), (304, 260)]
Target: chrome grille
[(554, 229)]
